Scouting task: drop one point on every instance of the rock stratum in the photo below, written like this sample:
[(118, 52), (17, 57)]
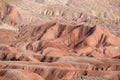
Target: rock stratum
[(55, 51)]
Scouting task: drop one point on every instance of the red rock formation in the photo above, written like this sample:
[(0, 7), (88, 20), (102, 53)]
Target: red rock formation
[(19, 75), (54, 51), (7, 36), (59, 45), (58, 39), (69, 67), (9, 14)]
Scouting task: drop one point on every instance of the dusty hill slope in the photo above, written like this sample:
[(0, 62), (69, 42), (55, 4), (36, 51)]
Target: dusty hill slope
[(73, 45), (102, 12)]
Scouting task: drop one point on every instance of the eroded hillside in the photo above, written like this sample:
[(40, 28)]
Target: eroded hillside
[(59, 40)]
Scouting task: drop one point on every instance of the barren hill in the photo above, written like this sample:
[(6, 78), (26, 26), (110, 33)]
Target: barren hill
[(59, 40)]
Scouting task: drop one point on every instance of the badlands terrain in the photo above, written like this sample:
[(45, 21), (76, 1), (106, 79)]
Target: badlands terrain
[(59, 39)]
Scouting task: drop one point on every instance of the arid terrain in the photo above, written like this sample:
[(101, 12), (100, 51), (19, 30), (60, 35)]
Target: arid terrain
[(59, 39)]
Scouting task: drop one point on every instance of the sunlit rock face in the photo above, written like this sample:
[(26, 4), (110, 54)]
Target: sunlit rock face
[(9, 14), (60, 39), (33, 46)]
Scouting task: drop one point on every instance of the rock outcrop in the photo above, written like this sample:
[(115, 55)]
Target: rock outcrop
[(55, 51), (58, 39), (9, 14), (70, 52), (12, 74)]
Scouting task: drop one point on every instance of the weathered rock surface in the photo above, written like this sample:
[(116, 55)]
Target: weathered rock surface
[(9, 14), (59, 45), (18, 74), (55, 51), (60, 40)]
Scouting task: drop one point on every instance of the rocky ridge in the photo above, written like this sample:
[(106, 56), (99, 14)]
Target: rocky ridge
[(55, 51)]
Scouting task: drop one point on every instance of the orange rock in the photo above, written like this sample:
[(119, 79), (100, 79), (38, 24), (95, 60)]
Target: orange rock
[(9, 14)]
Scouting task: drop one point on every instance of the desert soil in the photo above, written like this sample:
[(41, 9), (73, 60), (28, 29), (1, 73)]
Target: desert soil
[(59, 39)]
